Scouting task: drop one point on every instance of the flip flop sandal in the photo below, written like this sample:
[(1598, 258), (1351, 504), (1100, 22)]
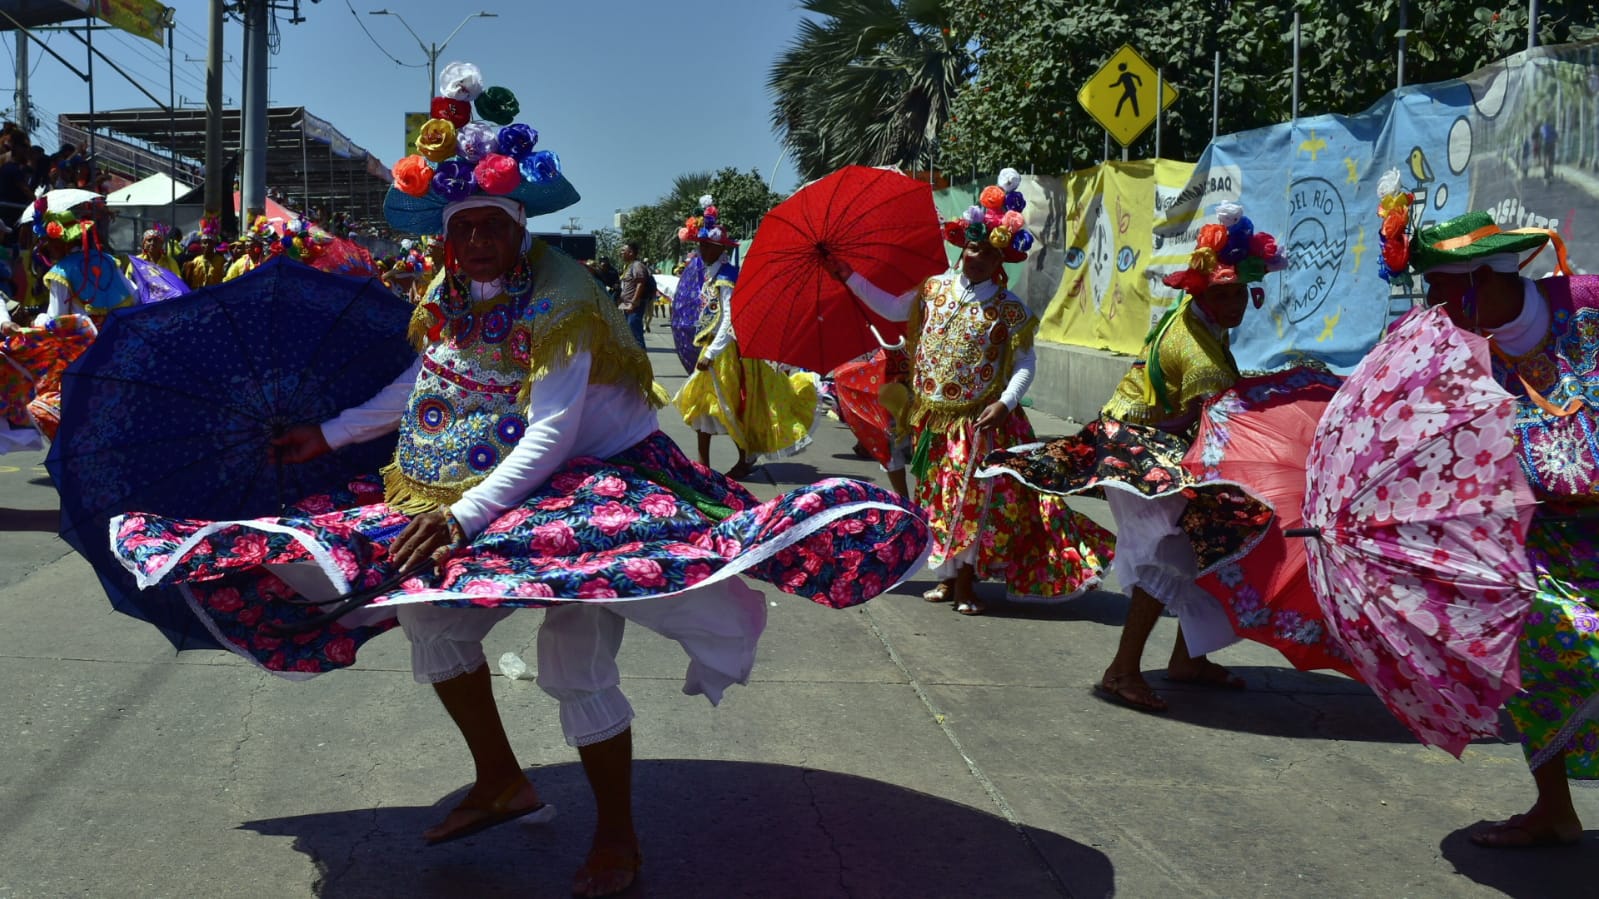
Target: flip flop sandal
[(1229, 680), (937, 594), (1113, 695), (616, 861), (1494, 837), (496, 813), (970, 607)]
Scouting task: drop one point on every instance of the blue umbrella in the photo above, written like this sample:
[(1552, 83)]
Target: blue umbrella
[(152, 283), (173, 409)]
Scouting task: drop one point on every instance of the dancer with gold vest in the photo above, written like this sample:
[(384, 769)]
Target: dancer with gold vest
[(971, 346), (765, 411)]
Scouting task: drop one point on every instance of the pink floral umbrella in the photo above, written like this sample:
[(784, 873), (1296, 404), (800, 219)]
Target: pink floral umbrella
[(1421, 511)]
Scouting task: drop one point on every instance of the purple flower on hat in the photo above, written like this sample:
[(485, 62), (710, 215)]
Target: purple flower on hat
[(477, 140), (1022, 242), (540, 166), (517, 141), (1015, 202), (452, 180)]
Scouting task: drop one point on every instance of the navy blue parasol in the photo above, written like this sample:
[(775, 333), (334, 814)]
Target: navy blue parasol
[(173, 410)]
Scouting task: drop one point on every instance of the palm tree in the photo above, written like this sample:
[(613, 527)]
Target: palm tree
[(868, 82)]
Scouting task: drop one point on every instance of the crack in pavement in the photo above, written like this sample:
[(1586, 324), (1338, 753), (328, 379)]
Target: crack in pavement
[(238, 747), (989, 787), (821, 822)]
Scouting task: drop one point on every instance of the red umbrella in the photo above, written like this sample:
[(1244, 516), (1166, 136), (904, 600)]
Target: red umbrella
[(788, 308), (1258, 434), (858, 384)]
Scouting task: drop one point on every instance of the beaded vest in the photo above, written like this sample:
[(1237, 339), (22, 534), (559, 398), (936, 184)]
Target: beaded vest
[(479, 362), (962, 350), (725, 276)]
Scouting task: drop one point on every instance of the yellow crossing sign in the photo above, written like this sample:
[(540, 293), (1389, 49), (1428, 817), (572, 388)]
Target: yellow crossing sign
[(1121, 95)]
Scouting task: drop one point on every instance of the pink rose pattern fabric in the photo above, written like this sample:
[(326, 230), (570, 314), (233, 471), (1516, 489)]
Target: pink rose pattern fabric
[(642, 524), (1423, 513)]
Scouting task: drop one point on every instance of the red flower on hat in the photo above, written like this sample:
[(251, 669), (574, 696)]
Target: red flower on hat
[(497, 174), (412, 176)]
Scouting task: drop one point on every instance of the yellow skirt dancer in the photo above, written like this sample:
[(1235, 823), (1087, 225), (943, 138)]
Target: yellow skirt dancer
[(765, 411)]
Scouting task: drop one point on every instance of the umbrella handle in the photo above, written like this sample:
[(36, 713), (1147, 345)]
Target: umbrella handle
[(883, 343), (349, 602), (1303, 532)]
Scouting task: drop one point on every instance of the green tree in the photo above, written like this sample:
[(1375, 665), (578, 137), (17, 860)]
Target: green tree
[(742, 198), (608, 245), (869, 82), (1034, 56)]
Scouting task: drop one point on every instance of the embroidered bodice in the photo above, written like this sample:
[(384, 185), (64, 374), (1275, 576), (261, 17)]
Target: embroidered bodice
[(962, 348)]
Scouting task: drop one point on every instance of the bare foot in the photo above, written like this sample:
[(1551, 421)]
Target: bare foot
[(483, 808), (1534, 830), (1202, 672), (610, 868)]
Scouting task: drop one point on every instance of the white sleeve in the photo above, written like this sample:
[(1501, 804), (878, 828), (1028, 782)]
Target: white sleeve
[(1021, 378), (60, 302), (724, 328), (5, 314), (375, 417), (554, 414), (894, 308)]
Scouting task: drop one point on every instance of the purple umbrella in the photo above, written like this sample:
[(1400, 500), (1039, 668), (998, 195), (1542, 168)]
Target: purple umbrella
[(153, 283)]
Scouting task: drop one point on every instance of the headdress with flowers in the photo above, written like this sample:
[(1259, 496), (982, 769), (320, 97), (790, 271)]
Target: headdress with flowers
[(996, 219), (1393, 207), (458, 157), (706, 225), (1229, 251)]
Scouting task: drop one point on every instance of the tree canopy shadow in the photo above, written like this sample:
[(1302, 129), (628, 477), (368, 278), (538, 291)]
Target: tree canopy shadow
[(708, 828)]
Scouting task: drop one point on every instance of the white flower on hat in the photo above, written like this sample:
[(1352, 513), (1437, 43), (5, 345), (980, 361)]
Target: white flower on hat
[(1009, 179), (706, 200), (1229, 213), (461, 81), (1388, 183)]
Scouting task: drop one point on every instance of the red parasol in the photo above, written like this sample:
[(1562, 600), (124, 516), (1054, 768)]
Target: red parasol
[(1258, 434), (788, 308), (859, 384), (1419, 512)]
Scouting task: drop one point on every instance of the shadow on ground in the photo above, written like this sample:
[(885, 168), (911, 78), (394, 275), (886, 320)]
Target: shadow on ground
[(1524, 873), (29, 520), (709, 828)]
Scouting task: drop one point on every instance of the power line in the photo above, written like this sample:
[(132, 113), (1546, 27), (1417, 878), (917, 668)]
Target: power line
[(150, 57), (392, 58)]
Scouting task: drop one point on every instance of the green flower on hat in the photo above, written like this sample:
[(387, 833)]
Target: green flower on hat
[(498, 105), (1468, 238)]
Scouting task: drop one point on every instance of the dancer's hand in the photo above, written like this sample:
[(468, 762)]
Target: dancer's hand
[(993, 416), (703, 365), (301, 443), (837, 267), (9, 328), (426, 537)]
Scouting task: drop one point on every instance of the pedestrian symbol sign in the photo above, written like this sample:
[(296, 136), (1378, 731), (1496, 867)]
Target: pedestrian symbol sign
[(1121, 95)]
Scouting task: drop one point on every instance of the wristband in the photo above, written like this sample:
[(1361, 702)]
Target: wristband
[(457, 533)]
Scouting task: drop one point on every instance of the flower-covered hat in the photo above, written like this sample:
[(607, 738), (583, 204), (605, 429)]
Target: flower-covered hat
[(66, 213), (459, 158), (996, 219), (1229, 251), (705, 226)]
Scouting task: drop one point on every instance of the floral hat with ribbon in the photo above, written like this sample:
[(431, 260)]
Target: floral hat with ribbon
[(996, 219), (459, 157), (1228, 251), (705, 226)]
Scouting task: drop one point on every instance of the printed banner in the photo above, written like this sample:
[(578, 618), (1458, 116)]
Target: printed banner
[(145, 18), (1519, 139), (1118, 245)]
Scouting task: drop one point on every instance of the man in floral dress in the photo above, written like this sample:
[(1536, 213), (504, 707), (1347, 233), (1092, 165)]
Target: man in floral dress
[(1545, 340), (971, 346), (530, 472)]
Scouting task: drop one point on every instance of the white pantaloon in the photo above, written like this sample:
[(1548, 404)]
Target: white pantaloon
[(717, 625), (1154, 555)]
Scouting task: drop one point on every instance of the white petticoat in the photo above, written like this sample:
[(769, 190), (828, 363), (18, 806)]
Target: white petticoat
[(1153, 554)]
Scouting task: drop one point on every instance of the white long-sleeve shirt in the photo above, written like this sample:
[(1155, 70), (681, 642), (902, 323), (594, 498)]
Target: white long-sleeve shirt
[(567, 417), (724, 327), (897, 308), (62, 303)]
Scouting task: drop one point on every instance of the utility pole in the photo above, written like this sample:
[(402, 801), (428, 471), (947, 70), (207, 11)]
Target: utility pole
[(253, 186), (214, 166), (24, 113)]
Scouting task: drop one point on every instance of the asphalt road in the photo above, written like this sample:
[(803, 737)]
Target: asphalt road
[(896, 749)]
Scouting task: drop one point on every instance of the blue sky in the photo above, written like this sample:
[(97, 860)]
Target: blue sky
[(630, 93)]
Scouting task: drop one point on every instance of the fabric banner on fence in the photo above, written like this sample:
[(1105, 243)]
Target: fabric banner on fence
[(1516, 139), (145, 18), (1116, 253)]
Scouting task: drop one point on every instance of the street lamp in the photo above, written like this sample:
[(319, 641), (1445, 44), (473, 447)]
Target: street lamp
[(432, 51)]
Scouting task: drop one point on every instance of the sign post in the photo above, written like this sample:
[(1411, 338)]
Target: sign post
[(1126, 96)]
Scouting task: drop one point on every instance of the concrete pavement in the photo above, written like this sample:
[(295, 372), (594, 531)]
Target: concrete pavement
[(897, 749)]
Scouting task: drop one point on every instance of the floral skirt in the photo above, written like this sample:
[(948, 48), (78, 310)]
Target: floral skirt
[(1558, 706), (765, 410), (31, 363), (645, 523), (1036, 544)]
